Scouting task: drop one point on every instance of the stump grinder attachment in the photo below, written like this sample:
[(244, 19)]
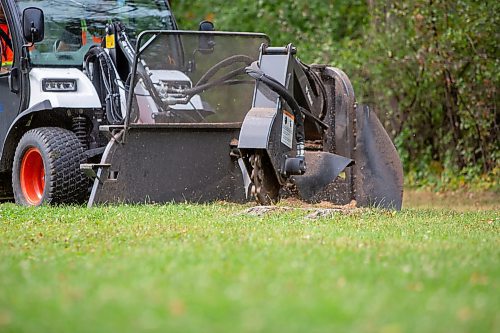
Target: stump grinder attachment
[(224, 116)]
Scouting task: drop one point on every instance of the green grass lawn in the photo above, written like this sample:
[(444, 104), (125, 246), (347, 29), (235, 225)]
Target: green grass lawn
[(210, 268)]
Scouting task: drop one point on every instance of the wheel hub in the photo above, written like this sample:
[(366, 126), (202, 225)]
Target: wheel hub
[(32, 176)]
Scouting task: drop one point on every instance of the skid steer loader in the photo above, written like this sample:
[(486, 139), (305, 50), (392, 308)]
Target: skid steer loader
[(107, 101)]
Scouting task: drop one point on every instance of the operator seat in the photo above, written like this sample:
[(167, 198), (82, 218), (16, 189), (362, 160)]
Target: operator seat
[(7, 56)]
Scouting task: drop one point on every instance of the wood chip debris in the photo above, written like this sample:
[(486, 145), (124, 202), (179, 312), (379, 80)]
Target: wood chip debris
[(315, 211)]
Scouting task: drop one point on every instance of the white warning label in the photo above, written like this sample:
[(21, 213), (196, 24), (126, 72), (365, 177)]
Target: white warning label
[(287, 129)]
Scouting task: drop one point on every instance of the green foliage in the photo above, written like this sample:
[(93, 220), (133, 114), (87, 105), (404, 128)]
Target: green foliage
[(429, 67), (314, 26), (212, 268), (439, 80)]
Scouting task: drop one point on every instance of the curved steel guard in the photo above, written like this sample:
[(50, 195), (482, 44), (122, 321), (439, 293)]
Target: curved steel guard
[(378, 169), (322, 170)]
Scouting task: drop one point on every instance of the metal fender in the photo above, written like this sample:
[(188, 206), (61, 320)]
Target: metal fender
[(378, 169), (256, 128)]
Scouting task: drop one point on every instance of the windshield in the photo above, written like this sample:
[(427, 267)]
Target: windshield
[(194, 77), (73, 26)]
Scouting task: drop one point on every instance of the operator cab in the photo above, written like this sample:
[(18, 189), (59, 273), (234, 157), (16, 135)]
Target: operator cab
[(72, 27), (43, 83)]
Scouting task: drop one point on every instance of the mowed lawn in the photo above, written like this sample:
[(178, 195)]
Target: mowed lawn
[(213, 268)]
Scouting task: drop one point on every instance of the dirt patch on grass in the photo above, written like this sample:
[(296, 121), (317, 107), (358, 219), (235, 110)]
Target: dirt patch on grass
[(322, 209), (421, 199), (456, 200)]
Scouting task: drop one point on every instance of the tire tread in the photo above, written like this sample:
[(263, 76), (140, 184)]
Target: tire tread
[(67, 183)]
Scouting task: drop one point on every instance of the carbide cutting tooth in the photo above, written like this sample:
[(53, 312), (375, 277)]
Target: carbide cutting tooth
[(258, 161)]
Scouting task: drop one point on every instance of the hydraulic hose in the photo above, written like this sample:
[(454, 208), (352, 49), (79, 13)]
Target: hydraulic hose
[(103, 74), (224, 63), (220, 81), (255, 72)]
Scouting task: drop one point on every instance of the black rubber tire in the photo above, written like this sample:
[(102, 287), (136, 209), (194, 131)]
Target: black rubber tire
[(62, 154)]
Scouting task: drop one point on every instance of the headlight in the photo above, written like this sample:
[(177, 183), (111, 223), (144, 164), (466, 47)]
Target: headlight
[(58, 85)]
